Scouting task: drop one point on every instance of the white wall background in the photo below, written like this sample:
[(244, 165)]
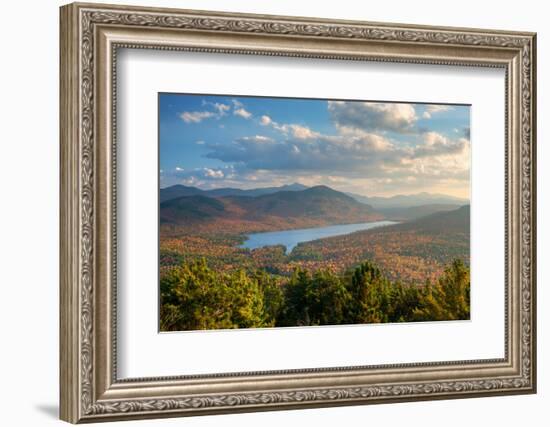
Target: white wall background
[(29, 170)]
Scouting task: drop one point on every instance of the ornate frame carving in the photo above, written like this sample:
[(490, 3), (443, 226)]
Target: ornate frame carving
[(90, 36)]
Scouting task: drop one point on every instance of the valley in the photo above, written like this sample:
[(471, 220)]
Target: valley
[(214, 225)]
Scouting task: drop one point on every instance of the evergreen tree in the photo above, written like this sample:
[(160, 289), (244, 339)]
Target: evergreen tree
[(274, 300), (194, 297), (370, 293), (328, 299), (296, 310), (455, 285)]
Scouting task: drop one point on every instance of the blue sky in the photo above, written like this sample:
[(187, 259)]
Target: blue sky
[(370, 148)]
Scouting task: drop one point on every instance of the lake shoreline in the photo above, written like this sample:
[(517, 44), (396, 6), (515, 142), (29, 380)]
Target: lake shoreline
[(293, 237)]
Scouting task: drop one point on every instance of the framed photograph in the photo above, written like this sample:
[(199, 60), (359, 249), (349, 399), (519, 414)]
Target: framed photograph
[(266, 212)]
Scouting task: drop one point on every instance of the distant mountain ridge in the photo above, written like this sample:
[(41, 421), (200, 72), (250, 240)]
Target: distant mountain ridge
[(398, 201), (179, 190), (318, 205), (414, 212), (296, 204), (454, 221), (410, 200)]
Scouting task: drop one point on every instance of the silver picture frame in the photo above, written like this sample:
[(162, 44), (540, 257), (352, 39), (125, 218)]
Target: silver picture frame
[(90, 37)]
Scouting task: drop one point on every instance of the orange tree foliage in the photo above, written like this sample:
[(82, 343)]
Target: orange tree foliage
[(408, 256)]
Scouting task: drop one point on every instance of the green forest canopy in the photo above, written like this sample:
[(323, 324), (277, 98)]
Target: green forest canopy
[(195, 297)]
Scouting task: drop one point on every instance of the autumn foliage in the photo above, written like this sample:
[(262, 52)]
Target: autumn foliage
[(195, 296)]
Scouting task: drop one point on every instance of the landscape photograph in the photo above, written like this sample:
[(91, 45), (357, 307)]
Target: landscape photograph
[(295, 212)]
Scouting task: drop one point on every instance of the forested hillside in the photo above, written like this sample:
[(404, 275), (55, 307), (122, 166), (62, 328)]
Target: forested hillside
[(312, 207), (410, 251)]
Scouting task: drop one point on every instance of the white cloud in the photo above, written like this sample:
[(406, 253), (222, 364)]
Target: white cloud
[(200, 142), (434, 109), (222, 109), (436, 144), (303, 132), (373, 116), (198, 176), (213, 173), (297, 131), (242, 113), (196, 116), (256, 138), (190, 181), (239, 110), (265, 120)]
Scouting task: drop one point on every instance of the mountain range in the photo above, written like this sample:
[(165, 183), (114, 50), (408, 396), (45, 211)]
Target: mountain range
[(436, 201), (410, 200), (294, 204), (176, 191), (319, 205)]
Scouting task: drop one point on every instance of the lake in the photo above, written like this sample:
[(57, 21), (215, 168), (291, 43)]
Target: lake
[(290, 238)]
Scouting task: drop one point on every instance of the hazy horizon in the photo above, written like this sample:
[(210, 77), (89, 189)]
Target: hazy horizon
[(309, 186)]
